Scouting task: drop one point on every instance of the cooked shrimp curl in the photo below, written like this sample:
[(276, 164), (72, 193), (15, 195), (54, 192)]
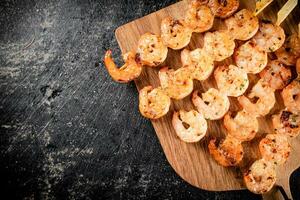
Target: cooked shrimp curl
[(199, 17), (276, 75), (175, 33), (128, 72), (213, 103), (275, 148), (151, 49), (259, 101), (291, 96), (223, 8), (153, 103), (228, 152), (243, 126), (177, 84), (261, 177), (243, 25), (195, 122), (231, 80), (286, 123)]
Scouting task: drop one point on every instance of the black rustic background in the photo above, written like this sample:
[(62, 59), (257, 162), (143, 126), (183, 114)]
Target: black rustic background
[(67, 130)]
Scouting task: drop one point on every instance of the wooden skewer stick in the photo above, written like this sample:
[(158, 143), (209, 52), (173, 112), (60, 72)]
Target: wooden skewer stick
[(260, 5), (285, 11)]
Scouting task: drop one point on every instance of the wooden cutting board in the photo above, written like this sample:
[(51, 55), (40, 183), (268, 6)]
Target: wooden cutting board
[(193, 162)]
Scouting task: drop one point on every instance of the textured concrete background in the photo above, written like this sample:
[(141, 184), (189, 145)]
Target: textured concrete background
[(67, 130)]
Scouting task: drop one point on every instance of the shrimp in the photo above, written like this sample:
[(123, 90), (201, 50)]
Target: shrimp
[(218, 44), (243, 126), (270, 37), (286, 123), (129, 71), (199, 17), (153, 103), (291, 96), (195, 122), (275, 148), (260, 177), (294, 43), (228, 152), (285, 56), (175, 34), (177, 84), (213, 103), (243, 25), (250, 57), (263, 98), (231, 80), (223, 8), (198, 62), (276, 75), (151, 49)]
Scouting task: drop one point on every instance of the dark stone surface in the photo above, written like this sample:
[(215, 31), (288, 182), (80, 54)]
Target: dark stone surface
[(67, 130)]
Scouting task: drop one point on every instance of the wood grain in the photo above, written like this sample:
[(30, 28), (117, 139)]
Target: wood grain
[(192, 161)]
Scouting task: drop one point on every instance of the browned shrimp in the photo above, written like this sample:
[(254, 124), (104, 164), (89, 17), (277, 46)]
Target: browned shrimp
[(129, 71), (285, 56), (228, 152), (199, 17), (276, 75), (275, 148), (261, 177), (223, 8), (243, 126), (153, 103), (291, 96), (286, 123)]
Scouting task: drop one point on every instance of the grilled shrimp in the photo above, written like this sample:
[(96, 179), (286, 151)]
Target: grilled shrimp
[(286, 123), (151, 49), (177, 84), (175, 34), (196, 123), (129, 71), (231, 80), (243, 25), (218, 44), (228, 152), (291, 96), (243, 126), (294, 43), (276, 75), (263, 100), (260, 177), (213, 103), (223, 8), (251, 57), (153, 103), (285, 56), (275, 148), (199, 17), (198, 62), (270, 37)]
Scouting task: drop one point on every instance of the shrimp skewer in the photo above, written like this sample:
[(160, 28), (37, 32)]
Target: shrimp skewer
[(219, 45), (199, 17), (129, 71), (261, 177), (213, 103), (243, 25), (196, 123), (223, 8), (175, 34), (286, 123), (153, 103), (265, 97), (198, 62), (276, 75), (243, 126), (291, 96), (231, 80), (275, 148), (151, 49), (228, 152), (177, 84)]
